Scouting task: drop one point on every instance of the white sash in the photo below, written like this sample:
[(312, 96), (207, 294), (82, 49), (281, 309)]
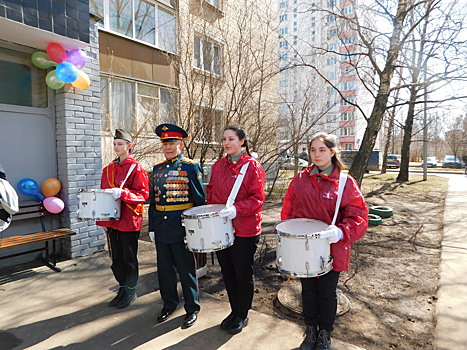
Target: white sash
[(236, 186), (340, 190)]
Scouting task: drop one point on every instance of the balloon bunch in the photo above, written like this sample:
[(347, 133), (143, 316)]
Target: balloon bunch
[(67, 63), (50, 188)]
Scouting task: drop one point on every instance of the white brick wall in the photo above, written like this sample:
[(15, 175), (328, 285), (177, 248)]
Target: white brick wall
[(78, 126)]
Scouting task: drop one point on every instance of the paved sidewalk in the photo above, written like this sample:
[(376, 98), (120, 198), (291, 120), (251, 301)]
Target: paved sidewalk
[(451, 309), (42, 309)]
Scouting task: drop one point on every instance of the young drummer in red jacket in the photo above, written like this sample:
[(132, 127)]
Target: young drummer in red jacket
[(237, 261), (124, 233), (312, 194)]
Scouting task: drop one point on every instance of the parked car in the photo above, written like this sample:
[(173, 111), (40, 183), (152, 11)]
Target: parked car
[(374, 164), (452, 162), (393, 161), (288, 163), (431, 162)]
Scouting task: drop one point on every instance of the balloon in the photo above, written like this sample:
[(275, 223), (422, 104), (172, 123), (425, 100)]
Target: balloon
[(56, 52), (77, 57), (51, 187), (67, 72), (42, 60), (52, 81), (53, 205), (82, 82), (29, 187)]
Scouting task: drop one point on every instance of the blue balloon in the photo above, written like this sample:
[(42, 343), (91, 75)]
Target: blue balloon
[(67, 72), (29, 187)]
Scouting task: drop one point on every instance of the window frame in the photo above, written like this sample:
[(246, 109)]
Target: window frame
[(199, 63)]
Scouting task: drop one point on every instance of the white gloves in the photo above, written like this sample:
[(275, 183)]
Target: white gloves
[(335, 233), (116, 192), (152, 236), (230, 212)]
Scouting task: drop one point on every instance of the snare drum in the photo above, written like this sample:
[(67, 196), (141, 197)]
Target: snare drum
[(205, 230), (98, 205), (301, 249)]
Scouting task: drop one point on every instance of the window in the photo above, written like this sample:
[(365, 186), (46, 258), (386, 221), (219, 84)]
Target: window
[(348, 146), (283, 83), (347, 10), (135, 106), (331, 75), (331, 18), (331, 3), (348, 85), (284, 30), (283, 18), (347, 72), (331, 104), (332, 47), (331, 90), (331, 61), (283, 4), (207, 55), (346, 116), (346, 131), (330, 118), (209, 124), (349, 56), (283, 57), (348, 101), (23, 84), (348, 40), (142, 20), (216, 3), (332, 33), (283, 44)]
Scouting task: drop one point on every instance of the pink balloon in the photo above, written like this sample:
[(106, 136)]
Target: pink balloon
[(56, 52), (53, 205)]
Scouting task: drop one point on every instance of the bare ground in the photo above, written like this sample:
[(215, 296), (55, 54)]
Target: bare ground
[(393, 280)]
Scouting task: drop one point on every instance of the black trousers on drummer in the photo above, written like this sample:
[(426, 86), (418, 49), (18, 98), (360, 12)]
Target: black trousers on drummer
[(319, 297), (237, 266), (124, 248)]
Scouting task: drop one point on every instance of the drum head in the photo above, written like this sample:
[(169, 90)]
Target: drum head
[(203, 209), (300, 227)]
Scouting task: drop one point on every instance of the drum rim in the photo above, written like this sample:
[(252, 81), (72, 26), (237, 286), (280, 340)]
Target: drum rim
[(90, 190), (210, 250), (204, 215), (304, 275), (315, 235)]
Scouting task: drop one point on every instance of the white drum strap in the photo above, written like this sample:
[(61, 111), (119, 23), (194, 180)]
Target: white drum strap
[(127, 175), (236, 186), (340, 190)]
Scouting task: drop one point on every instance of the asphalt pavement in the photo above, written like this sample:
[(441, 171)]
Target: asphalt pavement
[(42, 309)]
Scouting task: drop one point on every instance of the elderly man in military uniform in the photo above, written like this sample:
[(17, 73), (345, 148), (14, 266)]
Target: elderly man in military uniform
[(177, 186)]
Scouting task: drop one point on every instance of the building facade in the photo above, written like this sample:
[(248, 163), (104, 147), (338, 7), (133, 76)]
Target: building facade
[(318, 85)]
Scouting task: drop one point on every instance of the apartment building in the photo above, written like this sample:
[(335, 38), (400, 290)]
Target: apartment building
[(318, 84)]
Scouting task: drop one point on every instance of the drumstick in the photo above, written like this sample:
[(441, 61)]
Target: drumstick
[(288, 280), (108, 242)]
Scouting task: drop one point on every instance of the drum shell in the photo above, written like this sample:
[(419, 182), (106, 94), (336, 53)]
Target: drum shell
[(205, 230), (300, 249), (96, 204)]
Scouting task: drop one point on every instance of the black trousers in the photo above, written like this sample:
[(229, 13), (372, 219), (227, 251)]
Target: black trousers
[(237, 266), (124, 248), (319, 297), (173, 258)]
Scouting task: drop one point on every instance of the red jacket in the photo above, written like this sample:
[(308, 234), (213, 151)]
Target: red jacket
[(250, 197), (315, 196), (135, 193)]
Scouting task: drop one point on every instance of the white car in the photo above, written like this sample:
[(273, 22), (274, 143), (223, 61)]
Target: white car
[(289, 163), (431, 162)]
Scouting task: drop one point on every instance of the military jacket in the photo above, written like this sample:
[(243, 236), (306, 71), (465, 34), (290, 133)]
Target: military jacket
[(177, 185)]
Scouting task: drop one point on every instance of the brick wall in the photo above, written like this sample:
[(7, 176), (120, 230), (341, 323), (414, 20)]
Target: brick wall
[(69, 18), (79, 155)]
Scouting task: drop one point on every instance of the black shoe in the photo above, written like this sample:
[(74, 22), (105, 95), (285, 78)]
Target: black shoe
[(324, 340), (127, 298), (225, 324), (311, 334), (237, 325), (118, 297), (165, 313), (189, 321)]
